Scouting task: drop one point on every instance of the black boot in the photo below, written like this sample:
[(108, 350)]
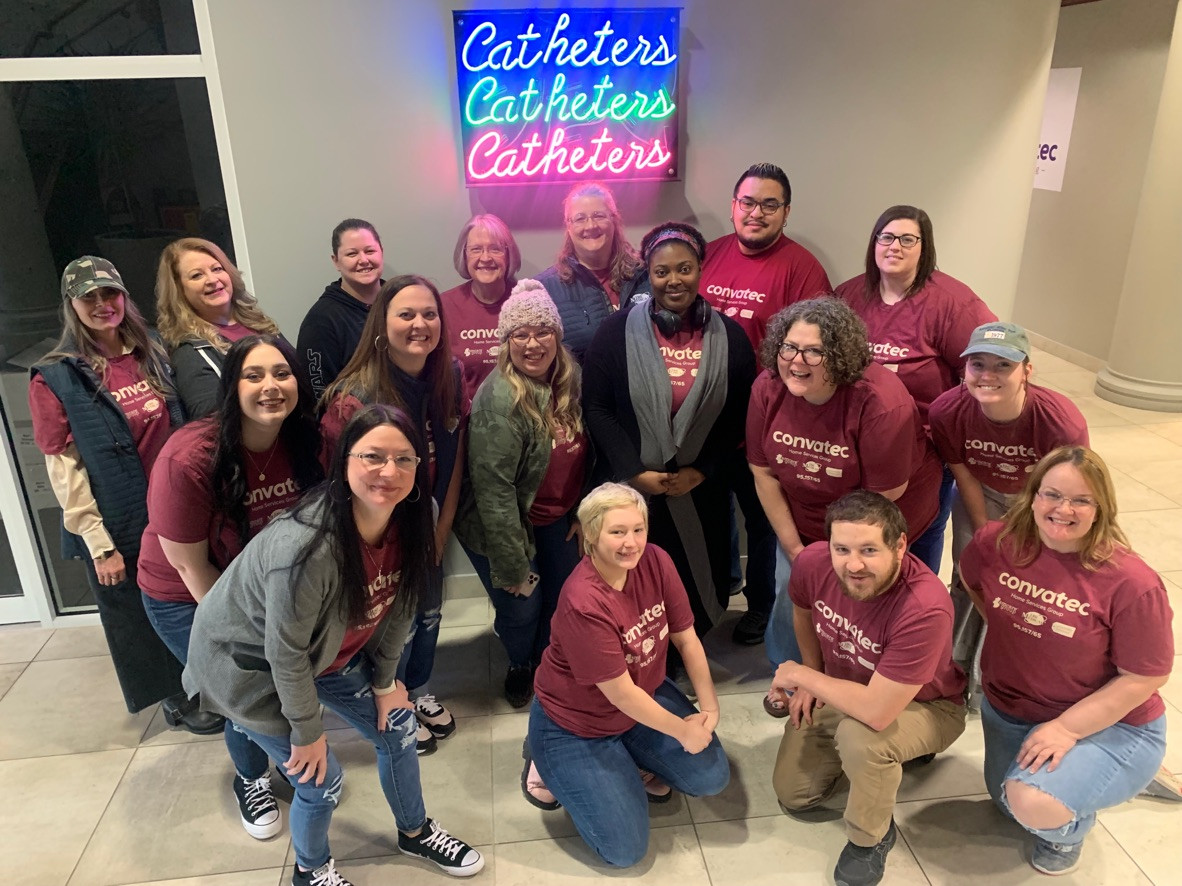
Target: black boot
[(186, 713)]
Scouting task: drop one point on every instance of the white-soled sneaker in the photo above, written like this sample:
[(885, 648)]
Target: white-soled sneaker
[(450, 854), (434, 716), (325, 875), (257, 806), (425, 741)]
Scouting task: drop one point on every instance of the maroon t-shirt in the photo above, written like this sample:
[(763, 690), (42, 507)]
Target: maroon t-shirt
[(682, 353), (233, 332), (867, 436), (604, 276), (145, 411), (563, 481), (182, 506), (599, 633), (905, 633), (751, 288), (472, 334), (383, 571), (921, 337), (1057, 632), (337, 414), (1000, 454)]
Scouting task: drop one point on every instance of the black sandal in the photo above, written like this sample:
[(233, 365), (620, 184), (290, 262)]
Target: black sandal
[(533, 801)]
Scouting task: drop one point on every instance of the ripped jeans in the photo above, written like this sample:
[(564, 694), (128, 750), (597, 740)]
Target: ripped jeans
[(348, 694)]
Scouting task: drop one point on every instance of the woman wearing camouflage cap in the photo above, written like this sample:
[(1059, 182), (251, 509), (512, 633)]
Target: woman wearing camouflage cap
[(103, 404), (527, 459)]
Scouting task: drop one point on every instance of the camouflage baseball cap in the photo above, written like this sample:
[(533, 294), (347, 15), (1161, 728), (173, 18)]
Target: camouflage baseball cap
[(88, 273)]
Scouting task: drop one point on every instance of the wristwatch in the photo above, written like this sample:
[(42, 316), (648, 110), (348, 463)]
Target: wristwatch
[(105, 555)]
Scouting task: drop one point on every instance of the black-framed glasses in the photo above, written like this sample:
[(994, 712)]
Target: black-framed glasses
[(582, 218), (886, 238), (522, 338), (810, 356), (768, 206), (1054, 499), (375, 461)]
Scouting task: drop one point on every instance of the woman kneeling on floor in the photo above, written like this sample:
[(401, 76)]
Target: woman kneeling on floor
[(315, 611), (606, 726)]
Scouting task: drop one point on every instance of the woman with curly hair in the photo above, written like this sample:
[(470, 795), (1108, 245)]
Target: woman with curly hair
[(217, 483), (597, 270), (1078, 643), (665, 386), (202, 308), (825, 420), (527, 460)]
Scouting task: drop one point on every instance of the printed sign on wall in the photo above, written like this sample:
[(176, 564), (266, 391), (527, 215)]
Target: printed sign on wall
[(1058, 116), (563, 95)]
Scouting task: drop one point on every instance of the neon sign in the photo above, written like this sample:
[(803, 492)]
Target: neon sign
[(561, 95)]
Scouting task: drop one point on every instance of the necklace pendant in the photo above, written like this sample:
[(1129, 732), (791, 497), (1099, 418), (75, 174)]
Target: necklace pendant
[(262, 477)]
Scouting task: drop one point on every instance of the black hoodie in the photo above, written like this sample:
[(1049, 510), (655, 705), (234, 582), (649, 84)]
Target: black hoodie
[(329, 335)]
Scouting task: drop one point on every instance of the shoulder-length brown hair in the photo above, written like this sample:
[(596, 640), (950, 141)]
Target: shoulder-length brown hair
[(500, 234), (367, 375), (624, 262), (927, 249), (1102, 540), (843, 337), (177, 320)]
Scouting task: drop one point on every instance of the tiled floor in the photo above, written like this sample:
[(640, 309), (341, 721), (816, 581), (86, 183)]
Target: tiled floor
[(94, 796)]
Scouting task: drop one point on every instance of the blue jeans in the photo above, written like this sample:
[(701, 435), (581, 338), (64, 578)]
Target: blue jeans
[(1102, 770), (779, 639), (174, 622), (596, 779), (523, 623), (929, 547), (347, 693), (418, 655)]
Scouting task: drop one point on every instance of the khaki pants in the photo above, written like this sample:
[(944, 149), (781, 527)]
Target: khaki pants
[(811, 760)]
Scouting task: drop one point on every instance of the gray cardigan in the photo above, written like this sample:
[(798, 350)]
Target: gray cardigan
[(259, 640)]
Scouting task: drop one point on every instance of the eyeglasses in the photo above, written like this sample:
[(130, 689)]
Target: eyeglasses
[(768, 206), (582, 218), (1054, 499), (886, 238), (477, 251), (522, 338), (810, 356), (375, 461)]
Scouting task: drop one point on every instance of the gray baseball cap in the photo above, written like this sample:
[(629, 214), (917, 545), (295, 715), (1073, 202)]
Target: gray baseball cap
[(86, 274), (1006, 340)]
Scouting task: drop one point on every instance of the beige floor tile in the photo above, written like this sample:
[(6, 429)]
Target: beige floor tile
[(1140, 416), (401, 870), (1097, 414), (83, 642), (265, 877), (735, 669), (955, 773), (1132, 447), (174, 816), (50, 811), (1133, 495), (460, 679), (1172, 691), (1157, 537), (514, 819), (9, 674), (1171, 430), (674, 857), (76, 706), (781, 851), (160, 733), (1045, 361), (461, 612), (21, 642), (1073, 381), (750, 738), (968, 841), (1147, 830), (1163, 477), (1173, 759)]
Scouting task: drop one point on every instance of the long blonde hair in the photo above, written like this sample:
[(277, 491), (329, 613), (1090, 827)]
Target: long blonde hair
[(1102, 540), (564, 410), (624, 263), (177, 320)]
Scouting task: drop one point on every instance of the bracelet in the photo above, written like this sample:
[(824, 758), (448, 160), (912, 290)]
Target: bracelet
[(105, 555)]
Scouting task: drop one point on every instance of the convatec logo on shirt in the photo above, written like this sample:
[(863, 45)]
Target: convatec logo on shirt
[(1044, 595), (647, 619), (989, 447), (807, 444), (728, 294), (837, 620)]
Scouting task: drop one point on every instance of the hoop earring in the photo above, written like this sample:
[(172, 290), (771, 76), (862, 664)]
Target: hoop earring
[(332, 490), (418, 495), (377, 343)]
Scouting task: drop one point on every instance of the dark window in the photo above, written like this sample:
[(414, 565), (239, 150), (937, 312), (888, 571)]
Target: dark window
[(71, 28)]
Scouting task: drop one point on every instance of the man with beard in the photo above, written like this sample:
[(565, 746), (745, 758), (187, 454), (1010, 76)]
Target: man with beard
[(749, 276), (877, 686)]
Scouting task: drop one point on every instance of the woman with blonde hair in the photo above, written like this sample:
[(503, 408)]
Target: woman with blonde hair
[(1078, 642), (202, 308), (597, 270), (527, 462)]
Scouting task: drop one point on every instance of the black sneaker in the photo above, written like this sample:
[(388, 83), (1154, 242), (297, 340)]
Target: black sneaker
[(257, 806), (434, 716), (750, 628), (519, 685), (425, 742), (864, 866), (450, 854), (325, 875)]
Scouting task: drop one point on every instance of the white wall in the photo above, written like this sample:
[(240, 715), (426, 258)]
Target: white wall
[(1077, 242), (349, 109)]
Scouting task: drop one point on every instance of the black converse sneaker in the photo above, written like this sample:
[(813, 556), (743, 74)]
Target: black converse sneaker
[(451, 855), (325, 875), (256, 804)]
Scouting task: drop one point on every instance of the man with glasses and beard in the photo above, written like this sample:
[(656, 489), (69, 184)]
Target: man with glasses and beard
[(877, 686), (749, 276)]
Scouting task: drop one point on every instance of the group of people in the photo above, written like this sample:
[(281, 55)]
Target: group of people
[(272, 521)]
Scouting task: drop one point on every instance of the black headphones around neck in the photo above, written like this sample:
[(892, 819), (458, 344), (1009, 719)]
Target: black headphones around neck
[(669, 323)]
